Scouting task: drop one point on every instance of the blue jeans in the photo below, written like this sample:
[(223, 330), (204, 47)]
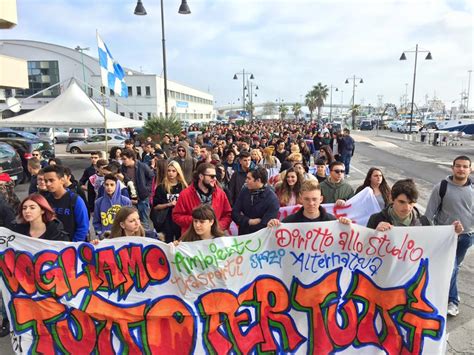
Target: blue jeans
[(465, 241), (143, 207), (346, 159)]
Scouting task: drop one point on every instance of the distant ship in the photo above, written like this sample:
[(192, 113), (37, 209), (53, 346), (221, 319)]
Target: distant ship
[(462, 122)]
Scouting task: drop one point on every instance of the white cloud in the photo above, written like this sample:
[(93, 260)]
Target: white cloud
[(288, 45)]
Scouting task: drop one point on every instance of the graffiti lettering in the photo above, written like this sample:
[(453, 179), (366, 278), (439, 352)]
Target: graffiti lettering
[(208, 280), (202, 262), (383, 246), (318, 262), (269, 257), (317, 239), (52, 273)]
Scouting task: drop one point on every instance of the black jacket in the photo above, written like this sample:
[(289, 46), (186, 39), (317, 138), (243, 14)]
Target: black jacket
[(144, 177), (88, 172), (299, 217), (237, 181), (7, 214), (384, 216), (54, 231), (261, 204)]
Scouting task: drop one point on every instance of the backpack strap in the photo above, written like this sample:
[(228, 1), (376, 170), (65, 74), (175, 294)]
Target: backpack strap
[(443, 187)]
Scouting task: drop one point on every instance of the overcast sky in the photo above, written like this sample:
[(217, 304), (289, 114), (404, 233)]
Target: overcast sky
[(288, 45)]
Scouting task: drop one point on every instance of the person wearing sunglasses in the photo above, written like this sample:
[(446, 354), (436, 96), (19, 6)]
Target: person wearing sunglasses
[(334, 188), (203, 190), (186, 162)]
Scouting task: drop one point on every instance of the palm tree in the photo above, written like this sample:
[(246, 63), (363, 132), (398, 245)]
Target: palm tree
[(310, 101), (320, 93), (296, 110), (250, 107), (355, 111), (283, 110)]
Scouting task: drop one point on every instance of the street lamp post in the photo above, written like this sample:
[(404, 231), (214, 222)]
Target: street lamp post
[(250, 86), (361, 81), (330, 102), (184, 10), (404, 57), (244, 75), (468, 90), (79, 49)]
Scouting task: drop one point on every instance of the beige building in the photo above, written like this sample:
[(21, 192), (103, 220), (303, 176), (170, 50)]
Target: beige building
[(13, 71)]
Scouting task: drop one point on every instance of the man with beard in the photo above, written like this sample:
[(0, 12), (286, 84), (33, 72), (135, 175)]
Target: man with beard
[(256, 204), (453, 200), (204, 190)]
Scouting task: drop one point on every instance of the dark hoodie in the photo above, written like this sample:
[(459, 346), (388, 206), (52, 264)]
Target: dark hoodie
[(54, 231), (237, 181), (106, 208), (188, 164), (262, 203)]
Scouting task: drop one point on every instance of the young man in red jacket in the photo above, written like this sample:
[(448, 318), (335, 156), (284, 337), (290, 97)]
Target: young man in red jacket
[(203, 190)]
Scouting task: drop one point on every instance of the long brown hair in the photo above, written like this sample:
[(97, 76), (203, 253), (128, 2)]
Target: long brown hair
[(117, 230), (161, 169), (384, 188), (284, 191), (203, 212)]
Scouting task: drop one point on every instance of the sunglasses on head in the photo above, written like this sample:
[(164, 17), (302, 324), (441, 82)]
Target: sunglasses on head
[(338, 171)]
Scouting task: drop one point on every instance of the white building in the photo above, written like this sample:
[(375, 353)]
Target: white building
[(49, 64)]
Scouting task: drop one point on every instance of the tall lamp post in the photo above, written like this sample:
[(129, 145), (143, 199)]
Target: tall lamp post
[(250, 95), (330, 102), (361, 81), (184, 10), (404, 57), (244, 75), (79, 49)]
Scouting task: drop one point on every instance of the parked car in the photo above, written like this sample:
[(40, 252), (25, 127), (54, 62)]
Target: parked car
[(79, 134), (113, 131), (95, 143), (366, 125), (405, 128), (10, 162), (8, 132), (56, 135), (25, 147), (395, 126)]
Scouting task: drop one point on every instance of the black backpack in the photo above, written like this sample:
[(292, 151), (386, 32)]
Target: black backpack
[(443, 187)]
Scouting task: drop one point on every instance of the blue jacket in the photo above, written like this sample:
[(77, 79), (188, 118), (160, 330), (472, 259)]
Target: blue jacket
[(261, 204), (347, 146), (144, 177), (106, 208)]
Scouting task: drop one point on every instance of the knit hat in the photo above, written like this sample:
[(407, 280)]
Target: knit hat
[(5, 177)]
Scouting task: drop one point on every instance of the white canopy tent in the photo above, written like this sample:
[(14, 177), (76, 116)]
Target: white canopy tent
[(73, 108)]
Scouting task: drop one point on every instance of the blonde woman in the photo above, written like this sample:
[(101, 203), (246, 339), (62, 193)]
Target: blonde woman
[(165, 198), (256, 156), (127, 224)]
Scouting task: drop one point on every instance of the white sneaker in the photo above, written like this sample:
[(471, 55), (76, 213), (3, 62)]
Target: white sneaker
[(348, 176), (453, 310)]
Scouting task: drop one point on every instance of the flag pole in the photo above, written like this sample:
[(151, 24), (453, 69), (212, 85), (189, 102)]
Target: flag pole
[(105, 126)]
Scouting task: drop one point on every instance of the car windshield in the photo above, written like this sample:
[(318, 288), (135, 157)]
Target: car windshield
[(43, 129), (41, 146), (6, 151)]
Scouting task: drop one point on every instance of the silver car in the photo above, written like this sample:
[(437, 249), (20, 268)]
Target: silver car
[(95, 143)]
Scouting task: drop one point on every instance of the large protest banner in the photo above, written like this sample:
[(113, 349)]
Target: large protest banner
[(301, 288)]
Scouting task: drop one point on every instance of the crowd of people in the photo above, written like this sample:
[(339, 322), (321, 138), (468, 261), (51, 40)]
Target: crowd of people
[(179, 190)]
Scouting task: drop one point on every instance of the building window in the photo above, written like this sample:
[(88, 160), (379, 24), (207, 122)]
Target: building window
[(102, 89), (131, 115), (91, 92), (147, 91), (139, 91), (122, 114), (130, 91), (140, 116), (41, 75), (148, 115)]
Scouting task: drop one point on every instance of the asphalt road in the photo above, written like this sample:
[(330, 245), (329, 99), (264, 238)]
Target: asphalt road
[(398, 159)]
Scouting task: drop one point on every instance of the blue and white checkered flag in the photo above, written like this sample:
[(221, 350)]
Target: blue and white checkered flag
[(111, 72)]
